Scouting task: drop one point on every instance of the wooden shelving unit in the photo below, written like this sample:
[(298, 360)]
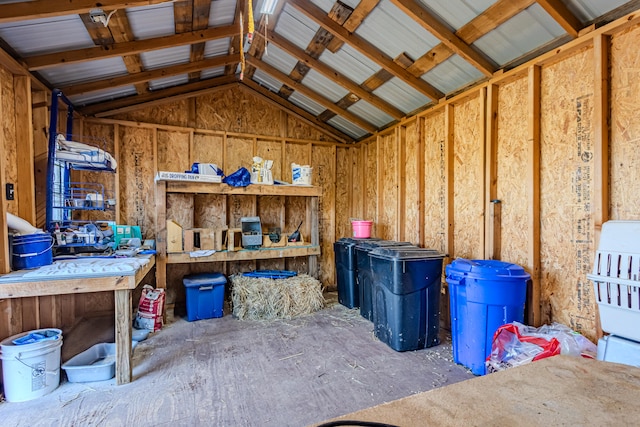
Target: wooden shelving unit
[(163, 188)]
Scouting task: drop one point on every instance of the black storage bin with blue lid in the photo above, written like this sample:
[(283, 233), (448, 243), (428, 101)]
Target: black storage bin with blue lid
[(205, 295), (406, 296), (346, 270), (363, 272)]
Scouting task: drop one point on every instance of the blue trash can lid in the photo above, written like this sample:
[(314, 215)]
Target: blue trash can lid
[(405, 253), (486, 269), (204, 279)]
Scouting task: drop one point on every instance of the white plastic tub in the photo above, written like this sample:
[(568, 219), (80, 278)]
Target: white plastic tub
[(97, 363)]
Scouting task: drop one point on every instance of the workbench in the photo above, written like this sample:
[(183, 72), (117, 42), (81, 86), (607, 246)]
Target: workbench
[(13, 285)]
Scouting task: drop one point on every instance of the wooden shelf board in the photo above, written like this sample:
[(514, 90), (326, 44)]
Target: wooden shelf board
[(245, 255), (256, 190)]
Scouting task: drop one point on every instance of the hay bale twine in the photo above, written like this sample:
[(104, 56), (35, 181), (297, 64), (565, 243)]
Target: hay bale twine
[(259, 298)]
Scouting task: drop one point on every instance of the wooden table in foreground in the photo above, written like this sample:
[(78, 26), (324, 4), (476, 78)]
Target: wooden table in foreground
[(121, 285), (560, 390)]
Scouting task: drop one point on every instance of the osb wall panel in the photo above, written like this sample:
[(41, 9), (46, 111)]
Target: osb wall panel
[(296, 153), (173, 151), (411, 182), (512, 170), (101, 136), (137, 196), (434, 182), (567, 193), (271, 212), (324, 169), (297, 129), (7, 97), (344, 190), (370, 173), (625, 126), (468, 170), (357, 182), (235, 110), (239, 154), (388, 177), (208, 149), (239, 206), (271, 150), (175, 113), (295, 213), (209, 211), (180, 208)]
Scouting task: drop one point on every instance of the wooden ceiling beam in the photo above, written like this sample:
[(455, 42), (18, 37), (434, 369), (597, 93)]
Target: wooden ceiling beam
[(127, 48), (201, 9), (293, 109), (369, 50), (35, 9), (334, 75), (109, 108), (562, 15), (299, 87), (362, 10), (145, 76), (432, 24)]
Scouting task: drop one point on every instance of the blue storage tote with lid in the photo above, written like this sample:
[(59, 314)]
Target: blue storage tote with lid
[(205, 295), (406, 296), (363, 272), (346, 270), (484, 295)]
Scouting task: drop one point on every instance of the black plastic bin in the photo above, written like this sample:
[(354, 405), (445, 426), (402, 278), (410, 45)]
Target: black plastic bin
[(363, 267), (346, 270), (406, 296)]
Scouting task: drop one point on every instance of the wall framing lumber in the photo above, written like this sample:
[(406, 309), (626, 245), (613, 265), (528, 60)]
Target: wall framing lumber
[(449, 173), (492, 204)]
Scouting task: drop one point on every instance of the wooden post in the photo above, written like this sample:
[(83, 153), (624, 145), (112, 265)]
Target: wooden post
[(4, 242), (533, 195), (602, 119), (379, 188), (401, 162), (161, 234), (449, 171), (421, 183), (123, 309), (313, 206), (492, 205), (25, 185), (116, 188)]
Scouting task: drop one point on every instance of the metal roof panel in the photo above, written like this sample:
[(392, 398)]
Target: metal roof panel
[(393, 32), (279, 59), (152, 21), (216, 47), (212, 72), (168, 82), (347, 127), (402, 96), (102, 95), (525, 32), (588, 10), (370, 113), (67, 74), (457, 13), (325, 87), (452, 74), (350, 63), (222, 12), (267, 81), (306, 103), (164, 57), (296, 27)]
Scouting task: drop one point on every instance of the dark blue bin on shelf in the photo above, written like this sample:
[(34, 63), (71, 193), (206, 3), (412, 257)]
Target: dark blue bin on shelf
[(363, 272), (484, 295), (406, 296), (346, 270), (205, 295)]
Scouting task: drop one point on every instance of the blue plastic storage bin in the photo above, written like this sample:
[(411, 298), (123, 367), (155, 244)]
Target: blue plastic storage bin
[(364, 274), (406, 296), (347, 270), (484, 295), (205, 295)]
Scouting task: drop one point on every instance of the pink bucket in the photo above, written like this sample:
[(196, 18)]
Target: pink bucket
[(362, 229)]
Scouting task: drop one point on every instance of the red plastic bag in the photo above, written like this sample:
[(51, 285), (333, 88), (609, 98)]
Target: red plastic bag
[(150, 309)]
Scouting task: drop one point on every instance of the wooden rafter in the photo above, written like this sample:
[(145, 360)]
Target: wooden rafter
[(201, 9), (369, 50), (127, 48), (562, 15), (188, 90), (35, 9), (145, 76), (432, 24), (334, 75), (311, 94), (362, 10)]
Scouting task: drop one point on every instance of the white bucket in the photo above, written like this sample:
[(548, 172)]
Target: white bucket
[(301, 175), (30, 370)]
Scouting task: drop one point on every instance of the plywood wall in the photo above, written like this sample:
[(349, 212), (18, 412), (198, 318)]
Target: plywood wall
[(434, 182), (410, 181), (512, 165), (468, 164), (567, 164)]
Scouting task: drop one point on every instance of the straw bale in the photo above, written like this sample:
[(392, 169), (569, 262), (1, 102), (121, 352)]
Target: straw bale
[(267, 299)]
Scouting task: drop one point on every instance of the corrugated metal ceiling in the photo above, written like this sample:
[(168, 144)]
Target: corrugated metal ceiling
[(354, 78)]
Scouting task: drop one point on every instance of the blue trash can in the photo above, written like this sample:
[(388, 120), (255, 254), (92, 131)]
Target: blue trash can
[(484, 295), (346, 270)]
